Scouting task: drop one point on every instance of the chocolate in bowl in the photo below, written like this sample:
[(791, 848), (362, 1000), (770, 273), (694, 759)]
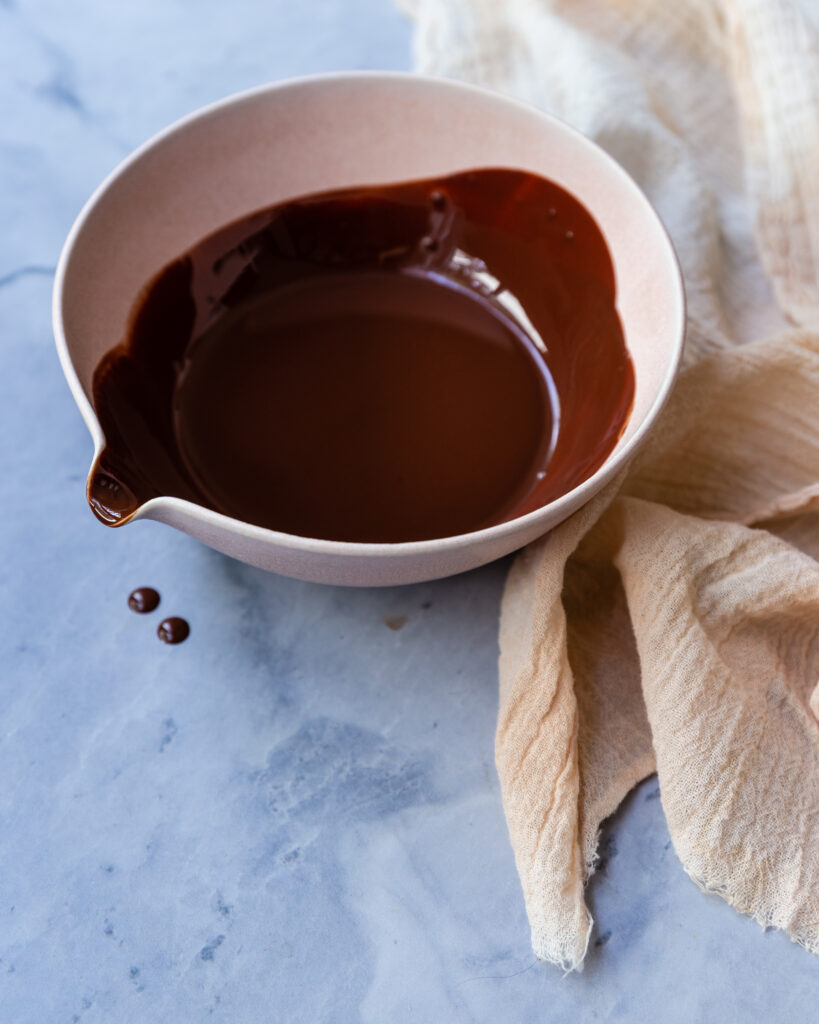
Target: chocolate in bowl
[(346, 131), (377, 364)]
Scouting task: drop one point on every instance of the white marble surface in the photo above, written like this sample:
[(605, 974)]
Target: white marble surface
[(294, 816)]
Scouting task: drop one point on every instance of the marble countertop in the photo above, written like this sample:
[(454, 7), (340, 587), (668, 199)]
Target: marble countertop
[(293, 816)]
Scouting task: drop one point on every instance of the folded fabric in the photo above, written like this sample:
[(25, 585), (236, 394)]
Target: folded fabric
[(673, 623)]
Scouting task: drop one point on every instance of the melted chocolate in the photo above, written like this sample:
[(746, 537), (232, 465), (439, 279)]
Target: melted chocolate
[(378, 364), (143, 599), (173, 630)]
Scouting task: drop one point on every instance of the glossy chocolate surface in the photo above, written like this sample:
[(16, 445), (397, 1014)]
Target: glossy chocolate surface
[(378, 364)]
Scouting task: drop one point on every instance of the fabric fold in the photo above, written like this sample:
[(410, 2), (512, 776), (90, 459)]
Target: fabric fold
[(673, 623), (727, 626)]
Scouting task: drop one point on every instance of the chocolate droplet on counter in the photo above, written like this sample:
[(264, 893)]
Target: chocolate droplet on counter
[(173, 630), (143, 599)]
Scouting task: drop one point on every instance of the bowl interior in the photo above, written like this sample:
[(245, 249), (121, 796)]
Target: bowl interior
[(335, 131)]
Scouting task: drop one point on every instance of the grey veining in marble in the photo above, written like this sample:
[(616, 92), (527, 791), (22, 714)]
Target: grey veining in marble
[(294, 816)]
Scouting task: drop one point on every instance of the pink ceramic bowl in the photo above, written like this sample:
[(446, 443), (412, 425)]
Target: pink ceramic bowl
[(332, 131)]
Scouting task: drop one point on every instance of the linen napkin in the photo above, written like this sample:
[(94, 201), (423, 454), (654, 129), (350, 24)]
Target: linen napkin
[(673, 623)]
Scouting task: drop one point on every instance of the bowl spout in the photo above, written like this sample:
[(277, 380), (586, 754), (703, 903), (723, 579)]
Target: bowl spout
[(112, 501)]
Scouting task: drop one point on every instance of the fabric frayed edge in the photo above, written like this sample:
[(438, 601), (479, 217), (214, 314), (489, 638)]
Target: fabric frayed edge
[(567, 966), (811, 944)]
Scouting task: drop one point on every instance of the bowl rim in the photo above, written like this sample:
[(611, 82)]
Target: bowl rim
[(565, 503)]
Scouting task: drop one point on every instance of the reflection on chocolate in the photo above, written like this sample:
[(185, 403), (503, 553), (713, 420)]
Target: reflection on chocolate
[(143, 599), (173, 630), (378, 364)]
